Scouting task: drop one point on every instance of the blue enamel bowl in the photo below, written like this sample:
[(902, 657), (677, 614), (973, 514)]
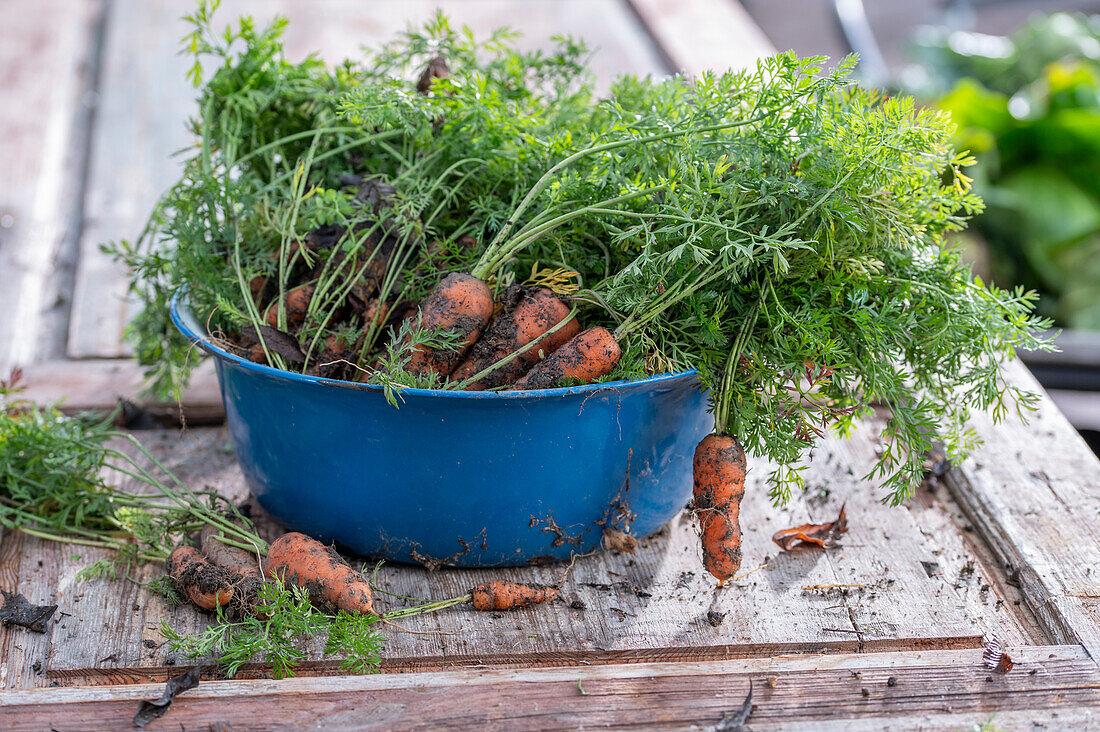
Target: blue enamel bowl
[(469, 479)]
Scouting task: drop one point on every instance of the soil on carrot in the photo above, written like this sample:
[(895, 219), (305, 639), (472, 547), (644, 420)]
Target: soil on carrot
[(204, 583), (525, 314), (587, 356)]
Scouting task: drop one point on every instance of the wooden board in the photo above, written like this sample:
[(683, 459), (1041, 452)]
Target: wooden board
[(145, 102), (45, 72), (98, 385), (929, 690), (1034, 494), (873, 593)]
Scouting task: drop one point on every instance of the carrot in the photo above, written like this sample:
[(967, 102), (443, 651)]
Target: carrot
[(299, 560), (721, 542), (297, 305), (527, 314), (584, 358), (719, 475), (202, 582), (461, 303), (505, 595), (240, 562)]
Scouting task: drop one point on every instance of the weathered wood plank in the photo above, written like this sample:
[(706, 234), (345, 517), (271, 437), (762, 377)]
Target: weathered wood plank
[(786, 691), (22, 652), (145, 102), (98, 385), (44, 72), (701, 35), (1033, 494), (654, 605)]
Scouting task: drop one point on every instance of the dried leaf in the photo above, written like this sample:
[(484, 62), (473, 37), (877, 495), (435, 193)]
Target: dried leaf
[(149, 710), (822, 535), (619, 540), (735, 721), (278, 341), (996, 658), (18, 611)]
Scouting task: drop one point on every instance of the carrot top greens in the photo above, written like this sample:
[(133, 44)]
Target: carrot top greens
[(778, 230)]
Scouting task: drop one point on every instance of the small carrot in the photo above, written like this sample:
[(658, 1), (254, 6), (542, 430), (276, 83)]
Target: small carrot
[(238, 561), (718, 469), (584, 357), (297, 305), (462, 303), (300, 560), (505, 595), (527, 314), (202, 582)]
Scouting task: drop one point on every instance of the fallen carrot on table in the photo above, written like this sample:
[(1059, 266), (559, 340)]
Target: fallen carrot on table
[(202, 582), (506, 595), (303, 561)]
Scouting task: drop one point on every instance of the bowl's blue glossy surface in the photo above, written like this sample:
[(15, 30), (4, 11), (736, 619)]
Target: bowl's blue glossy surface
[(475, 478)]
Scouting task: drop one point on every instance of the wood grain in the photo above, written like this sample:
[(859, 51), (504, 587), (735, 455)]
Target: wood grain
[(97, 385), (655, 605), (1033, 494), (44, 71), (786, 692)]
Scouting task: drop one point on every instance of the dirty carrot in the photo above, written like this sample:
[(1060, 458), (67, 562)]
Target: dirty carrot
[(231, 558), (583, 358), (718, 469), (303, 561), (206, 585), (527, 314), (295, 304), (505, 595), (460, 303)]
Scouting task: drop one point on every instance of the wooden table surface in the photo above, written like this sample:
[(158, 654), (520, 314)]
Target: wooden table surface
[(885, 631)]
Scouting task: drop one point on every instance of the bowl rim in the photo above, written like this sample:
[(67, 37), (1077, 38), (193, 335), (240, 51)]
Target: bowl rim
[(183, 318)]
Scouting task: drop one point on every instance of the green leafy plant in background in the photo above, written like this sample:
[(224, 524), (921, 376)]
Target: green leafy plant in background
[(1028, 108)]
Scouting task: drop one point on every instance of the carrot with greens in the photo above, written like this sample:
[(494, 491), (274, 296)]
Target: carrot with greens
[(234, 559), (330, 581), (527, 314), (718, 472)]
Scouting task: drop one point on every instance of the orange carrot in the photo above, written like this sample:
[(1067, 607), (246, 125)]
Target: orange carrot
[(240, 562), (203, 583), (719, 473), (460, 303), (721, 542), (299, 560), (584, 358), (505, 595), (527, 314), (297, 305)]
